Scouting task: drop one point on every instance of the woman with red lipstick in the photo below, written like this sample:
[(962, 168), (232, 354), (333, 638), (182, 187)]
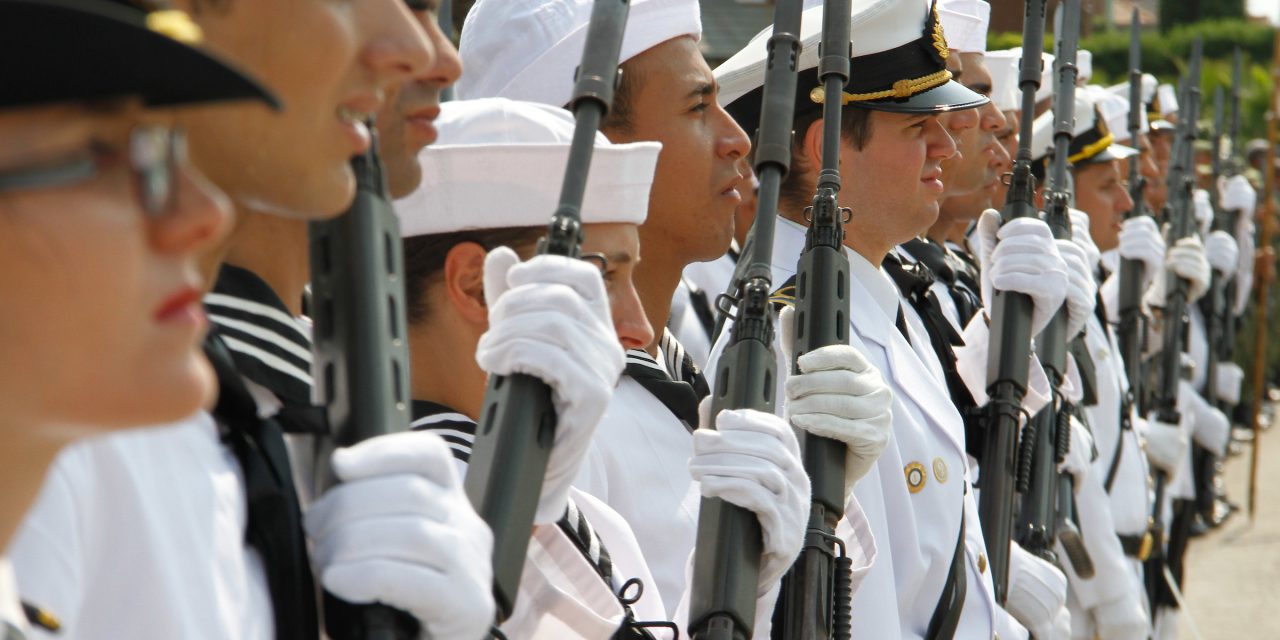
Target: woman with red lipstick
[(237, 562), (101, 222)]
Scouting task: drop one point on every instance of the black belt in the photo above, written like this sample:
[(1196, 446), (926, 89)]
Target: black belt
[(1136, 546)]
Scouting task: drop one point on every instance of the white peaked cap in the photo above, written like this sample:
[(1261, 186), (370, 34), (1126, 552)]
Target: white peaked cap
[(1011, 59), (1084, 66), (1114, 104), (1149, 84), (529, 49), (1092, 140), (888, 27), (500, 163), (965, 22), (1168, 97)]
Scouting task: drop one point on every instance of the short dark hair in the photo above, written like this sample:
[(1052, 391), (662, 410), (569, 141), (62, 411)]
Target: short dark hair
[(621, 112), (424, 258), (855, 128)]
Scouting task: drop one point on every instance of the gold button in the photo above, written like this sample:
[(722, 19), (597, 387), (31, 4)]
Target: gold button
[(982, 563), (940, 469), (916, 476)]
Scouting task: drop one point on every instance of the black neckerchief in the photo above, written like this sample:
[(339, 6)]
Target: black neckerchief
[(681, 395), (274, 525)]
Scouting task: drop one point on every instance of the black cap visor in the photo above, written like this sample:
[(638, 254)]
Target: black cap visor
[(950, 96), (74, 50)]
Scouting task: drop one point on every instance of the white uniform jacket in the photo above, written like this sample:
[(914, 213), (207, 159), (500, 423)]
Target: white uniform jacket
[(140, 534), (918, 492)]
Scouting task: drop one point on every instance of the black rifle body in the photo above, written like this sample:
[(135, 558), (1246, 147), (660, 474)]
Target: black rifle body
[(517, 421), (726, 561), (1131, 332), (361, 365), (1180, 215), (1011, 324), (812, 603)]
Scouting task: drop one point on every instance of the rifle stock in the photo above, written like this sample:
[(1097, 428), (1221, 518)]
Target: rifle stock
[(726, 561), (517, 421), (1011, 321), (810, 595), (361, 353)]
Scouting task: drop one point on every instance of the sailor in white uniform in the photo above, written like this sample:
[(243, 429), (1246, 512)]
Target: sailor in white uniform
[(918, 493), (639, 463)]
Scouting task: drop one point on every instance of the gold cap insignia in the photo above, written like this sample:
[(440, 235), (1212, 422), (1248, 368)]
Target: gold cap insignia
[(175, 24), (939, 39)]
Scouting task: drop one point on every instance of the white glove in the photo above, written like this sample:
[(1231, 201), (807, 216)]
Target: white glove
[(839, 395), (1081, 236), (1230, 377), (400, 531), (1037, 595), (752, 460), (1237, 193), (1122, 619), (1166, 445), (1186, 260), (1223, 254), (1021, 256), (1203, 209), (1082, 289), (1140, 239), (1081, 454), (549, 318), (1210, 427)]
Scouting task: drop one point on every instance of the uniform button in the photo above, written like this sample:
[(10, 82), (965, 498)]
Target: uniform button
[(940, 469), (982, 563), (916, 476)]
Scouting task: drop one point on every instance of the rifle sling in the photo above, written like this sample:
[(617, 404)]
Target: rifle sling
[(946, 615)]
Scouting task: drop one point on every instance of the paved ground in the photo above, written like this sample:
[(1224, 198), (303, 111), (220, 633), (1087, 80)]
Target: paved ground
[(1233, 574)]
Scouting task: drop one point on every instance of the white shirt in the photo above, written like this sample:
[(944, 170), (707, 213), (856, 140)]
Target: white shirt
[(140, 534), (13, 621)]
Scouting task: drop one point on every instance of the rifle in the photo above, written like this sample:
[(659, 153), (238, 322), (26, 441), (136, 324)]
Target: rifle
[(1181, 218), (816, 592), (361, 352), (1132, 331), (1046, 513), (517, 421), (726, 559), (1011, 321)]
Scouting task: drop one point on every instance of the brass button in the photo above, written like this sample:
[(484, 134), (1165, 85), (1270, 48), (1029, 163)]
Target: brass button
[(982, 563), (940, 469), (916, 476)]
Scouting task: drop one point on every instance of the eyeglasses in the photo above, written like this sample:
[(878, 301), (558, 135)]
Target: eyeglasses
[(157, 154)]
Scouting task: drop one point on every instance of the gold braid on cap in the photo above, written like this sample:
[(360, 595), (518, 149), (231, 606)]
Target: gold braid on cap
[(175, 24), (901, 89), (1092, 149)]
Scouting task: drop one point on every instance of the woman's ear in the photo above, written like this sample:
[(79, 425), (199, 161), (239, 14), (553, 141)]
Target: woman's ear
[(464, 281)]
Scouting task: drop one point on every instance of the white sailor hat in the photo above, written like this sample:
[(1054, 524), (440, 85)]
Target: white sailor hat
[(1003, 66), (965, 22), (1084, 66), (1113, 102), (899, 64), (499, 163), (1092, 140), (530, 49), (1162, 105)]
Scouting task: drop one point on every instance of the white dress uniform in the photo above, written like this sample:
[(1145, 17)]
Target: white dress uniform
[(13, 621), (690, 308), (562, 593), (919, 490), (140, 534)]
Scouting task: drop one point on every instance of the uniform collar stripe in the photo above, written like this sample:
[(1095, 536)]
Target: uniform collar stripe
[(269, 359), (302, 351), (259, 309)]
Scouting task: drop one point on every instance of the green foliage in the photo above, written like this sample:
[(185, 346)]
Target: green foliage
[(1165, 56), (1182, 12)]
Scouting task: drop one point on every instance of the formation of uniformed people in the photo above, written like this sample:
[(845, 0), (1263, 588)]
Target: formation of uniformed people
[(195, 142)]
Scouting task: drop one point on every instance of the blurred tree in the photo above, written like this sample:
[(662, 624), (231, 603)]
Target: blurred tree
[(1179, 12)]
